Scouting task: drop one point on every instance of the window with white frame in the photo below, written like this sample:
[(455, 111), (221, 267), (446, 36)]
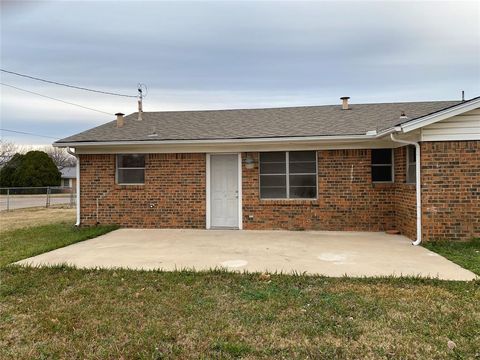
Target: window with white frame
[(130, 169), (411, 164), (382, 165), (288, 175)]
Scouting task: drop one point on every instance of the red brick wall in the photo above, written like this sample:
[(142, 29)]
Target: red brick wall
[(451, 190), (347, 199), (173, 195), (405, 197)]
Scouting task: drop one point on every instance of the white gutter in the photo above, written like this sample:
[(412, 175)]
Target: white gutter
[(77, 185), (418, 186), (299, 139)]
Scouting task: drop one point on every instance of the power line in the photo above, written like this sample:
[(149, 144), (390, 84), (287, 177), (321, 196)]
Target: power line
[(66, 85), (52, 98), (27, 133)]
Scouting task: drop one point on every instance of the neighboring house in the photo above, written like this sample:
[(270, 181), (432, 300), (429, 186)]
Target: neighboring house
[(335, 167), (69, 177)]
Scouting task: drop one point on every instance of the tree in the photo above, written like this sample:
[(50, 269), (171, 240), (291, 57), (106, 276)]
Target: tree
[(7, 150), (60, 157), (8, 171), (35, 168)]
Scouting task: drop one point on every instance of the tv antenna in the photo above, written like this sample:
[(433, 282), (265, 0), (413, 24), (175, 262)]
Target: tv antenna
[(142, 93)]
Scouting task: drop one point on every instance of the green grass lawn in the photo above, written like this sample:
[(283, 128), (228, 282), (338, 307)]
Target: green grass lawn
[(26, 242), (62, 312), (466, 254)]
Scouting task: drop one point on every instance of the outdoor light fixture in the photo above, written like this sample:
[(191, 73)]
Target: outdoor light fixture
[(249, 163)]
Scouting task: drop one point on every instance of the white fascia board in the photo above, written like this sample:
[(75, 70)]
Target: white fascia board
[(235, 148), (441, 115), (303, 139), (387, 132)]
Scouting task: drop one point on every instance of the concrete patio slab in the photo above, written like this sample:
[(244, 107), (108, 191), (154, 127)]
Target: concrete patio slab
[(327, 253)]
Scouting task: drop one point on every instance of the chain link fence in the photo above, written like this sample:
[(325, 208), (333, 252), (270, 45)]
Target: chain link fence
[(25, 197)]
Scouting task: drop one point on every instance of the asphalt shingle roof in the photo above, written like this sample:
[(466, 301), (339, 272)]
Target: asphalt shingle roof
[(69, 172), (302, 121)]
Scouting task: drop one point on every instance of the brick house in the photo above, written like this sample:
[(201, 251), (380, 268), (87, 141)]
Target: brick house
[(336, 167)]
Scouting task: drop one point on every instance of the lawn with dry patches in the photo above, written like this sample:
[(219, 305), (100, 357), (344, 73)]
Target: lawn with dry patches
[(94, 314), (29, 217), (62, 312)]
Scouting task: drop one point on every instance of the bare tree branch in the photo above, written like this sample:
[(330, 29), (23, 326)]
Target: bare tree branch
[(60, 157), (7, 150)]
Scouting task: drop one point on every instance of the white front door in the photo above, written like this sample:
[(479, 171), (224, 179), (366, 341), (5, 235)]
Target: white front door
[(224, 190)]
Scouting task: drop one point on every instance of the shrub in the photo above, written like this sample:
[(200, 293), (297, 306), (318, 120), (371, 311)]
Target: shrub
[(35, 168)]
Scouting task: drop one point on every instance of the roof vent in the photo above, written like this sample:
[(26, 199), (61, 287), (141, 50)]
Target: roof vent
[(153, 133), (120, 120), (345, 102), (403, 116)]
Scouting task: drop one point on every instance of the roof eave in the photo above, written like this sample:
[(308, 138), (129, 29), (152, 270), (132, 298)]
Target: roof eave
[(219, 141), (426, 120)]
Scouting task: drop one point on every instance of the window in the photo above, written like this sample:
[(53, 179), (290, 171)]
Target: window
[(382, 165), (131, 169), (288, 175), (411, 164), (66, 182), (273, 175)]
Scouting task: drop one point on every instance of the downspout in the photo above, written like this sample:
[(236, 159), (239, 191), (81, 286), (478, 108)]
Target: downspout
[(77, 185), (418, 186)]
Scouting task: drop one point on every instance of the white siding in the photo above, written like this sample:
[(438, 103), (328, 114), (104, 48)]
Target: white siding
[(461, 127)]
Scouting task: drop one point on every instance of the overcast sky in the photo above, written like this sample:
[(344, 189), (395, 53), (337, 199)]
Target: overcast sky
[(216, 55)]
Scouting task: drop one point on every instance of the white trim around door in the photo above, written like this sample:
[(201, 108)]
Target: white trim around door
[(208, 191)]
